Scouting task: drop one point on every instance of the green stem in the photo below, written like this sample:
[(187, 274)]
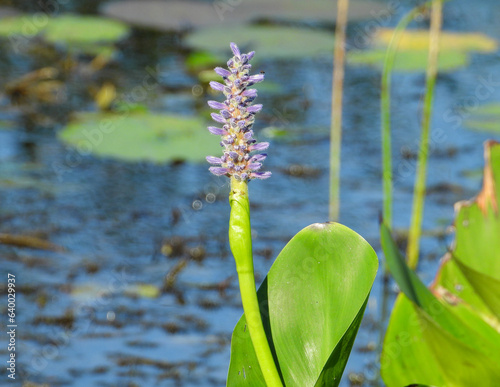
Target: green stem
[(336, 125), (385, 107), (240, 241), (423, 155)]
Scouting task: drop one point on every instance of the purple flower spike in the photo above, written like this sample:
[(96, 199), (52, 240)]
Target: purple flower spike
[(235, 49), (259, 146), (217, 131), (254, 108), (216, 86), (254, 166), (216, 105), (250, 93), (219, 171), (214, 160), (222, 72), (226, 114), (218, 118), (260, 175), (256, 78), (258, 158), (237, 114)]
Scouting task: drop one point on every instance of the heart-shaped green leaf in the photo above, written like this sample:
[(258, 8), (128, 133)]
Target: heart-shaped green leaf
[(312, 301)]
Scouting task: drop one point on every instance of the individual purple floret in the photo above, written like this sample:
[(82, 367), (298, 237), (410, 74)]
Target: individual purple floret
[(236, 114)]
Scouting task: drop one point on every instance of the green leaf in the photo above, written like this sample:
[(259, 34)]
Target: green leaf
[(421, 296), (478, 222), (78, 29), (485, 286), (410, 60), (451, 285), (406, 357), (136, 136), (312, 300), (270, 42), (87, 34), (185, 15), (65, 28), (430, 342), (199, 60), (477, 244), (419, 40), (413, 50), (485, 117), (451, 336), (417, 350)]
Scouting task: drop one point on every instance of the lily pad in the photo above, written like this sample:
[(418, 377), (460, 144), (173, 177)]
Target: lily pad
[(141, 137), (271, 42), (162, 15), (200, 60), (310, 11), (89, 34), (413, 47), (77, 29), (419, 40), (183, 15), (485, 118), (410, 60)]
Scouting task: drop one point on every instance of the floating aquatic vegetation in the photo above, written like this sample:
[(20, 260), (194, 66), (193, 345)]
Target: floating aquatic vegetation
[(419, 40), (94, 290), (87, 34), (410, 60), (485, 118), (185, 15), (272, 42), (200, 60), (139, 136), (412, 54)]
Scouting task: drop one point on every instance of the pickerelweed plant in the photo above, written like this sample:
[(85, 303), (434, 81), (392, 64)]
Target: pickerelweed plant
[(299, 328)]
